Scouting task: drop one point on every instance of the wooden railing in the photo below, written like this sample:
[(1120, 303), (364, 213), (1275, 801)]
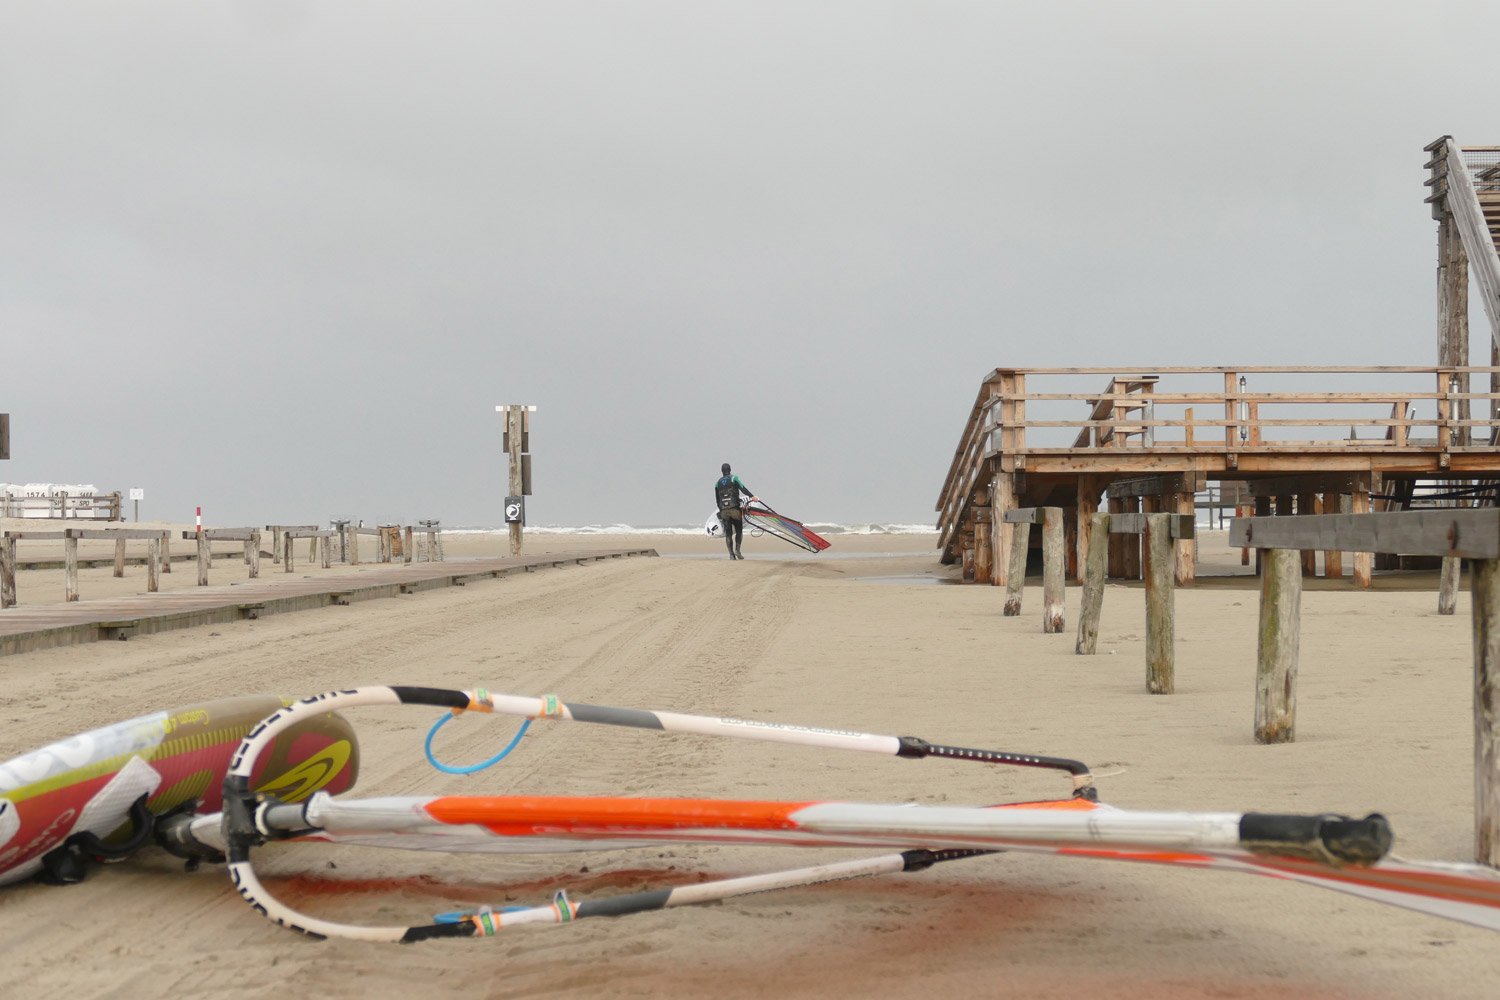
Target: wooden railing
[(1049, 415), (1433, 412)]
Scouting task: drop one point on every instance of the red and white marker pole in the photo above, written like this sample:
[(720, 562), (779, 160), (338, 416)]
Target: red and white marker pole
[(198, 521)]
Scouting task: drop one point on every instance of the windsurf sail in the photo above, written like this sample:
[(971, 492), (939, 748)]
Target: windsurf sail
[(761, 517), (1347, 854)]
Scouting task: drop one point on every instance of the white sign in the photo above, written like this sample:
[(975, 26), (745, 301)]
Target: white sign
[(137, 493)]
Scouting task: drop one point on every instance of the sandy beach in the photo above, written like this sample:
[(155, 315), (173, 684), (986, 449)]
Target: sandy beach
[(863, 637)]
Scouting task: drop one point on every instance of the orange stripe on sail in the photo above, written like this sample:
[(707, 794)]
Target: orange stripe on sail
[(527, 815)]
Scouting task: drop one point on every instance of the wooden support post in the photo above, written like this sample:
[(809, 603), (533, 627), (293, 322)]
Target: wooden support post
[(7, 572), (1002, 499), (70, 568), (1116, 562), (1185, 550), (1448, 585), (286, 551), (1244, 510), (1364, 562), (982, 548), (166, 552), (1132, 543), (1276, 652), (431, 545), (312, 548), (252, 550), (1095, 564), (1160, 627), (1015, 576), (1333, 559), (1087, 505), (353, 545), (966, 566), (119, 558), (1262, 509), (325, 546), (1054, 570), (247, 548), (275, 546), (153, 565), (1071, 564), (406, 553), (1484, 577), (205, 559), (1307, 504)]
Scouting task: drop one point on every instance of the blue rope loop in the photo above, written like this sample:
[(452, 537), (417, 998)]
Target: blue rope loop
[(471, 768)]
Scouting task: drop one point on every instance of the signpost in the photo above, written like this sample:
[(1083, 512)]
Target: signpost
[(517, 444), (137, 494)]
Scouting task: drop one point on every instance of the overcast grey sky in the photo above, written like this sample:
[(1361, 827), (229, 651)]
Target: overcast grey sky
[(282, 259)]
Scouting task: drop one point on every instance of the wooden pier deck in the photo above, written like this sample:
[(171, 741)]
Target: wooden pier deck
[(42, 626)]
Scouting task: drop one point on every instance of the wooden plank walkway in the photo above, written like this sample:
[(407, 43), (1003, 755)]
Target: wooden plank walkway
[(29, 627)]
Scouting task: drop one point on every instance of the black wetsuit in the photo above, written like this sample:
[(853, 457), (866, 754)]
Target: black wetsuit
[(727, 490)]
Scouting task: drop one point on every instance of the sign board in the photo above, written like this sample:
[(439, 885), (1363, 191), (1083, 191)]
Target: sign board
[(137, 493), (515, 510)]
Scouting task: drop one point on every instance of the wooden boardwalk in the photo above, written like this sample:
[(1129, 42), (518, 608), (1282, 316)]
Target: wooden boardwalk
[(42, 626)]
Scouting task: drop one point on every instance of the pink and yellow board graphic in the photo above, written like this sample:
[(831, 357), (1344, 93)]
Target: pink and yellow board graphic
[(88, 782)]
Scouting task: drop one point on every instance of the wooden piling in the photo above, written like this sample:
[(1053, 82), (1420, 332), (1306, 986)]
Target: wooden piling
[(1484, 579), (406, 553), (1131, 543), (353, 545), (1185, 550), (1160, 630), (166, 552), (1277, 648), (275, 545), (1333, 559), (1448, 585), (1115, 567), (252, 555), (1307, 504), (1002, 499), (1054, 570), (982, 547), (153, 565), (1096, 563), (1364, 562), (1015, 576), (119, 558), (205, 559), (7, 572), (286, 551), (70, 567)]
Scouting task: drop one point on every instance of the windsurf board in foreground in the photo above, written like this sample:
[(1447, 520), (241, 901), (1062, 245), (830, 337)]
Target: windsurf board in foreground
[(1346, 854), (760, 517), (100, 791)]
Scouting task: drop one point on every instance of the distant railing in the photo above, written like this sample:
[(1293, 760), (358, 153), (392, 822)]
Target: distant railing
[(100, 506)]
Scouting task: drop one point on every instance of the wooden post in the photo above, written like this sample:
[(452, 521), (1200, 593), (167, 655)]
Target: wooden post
[(1054, 570), (286, 554), (1333, 559), (166, 552), (153, 565), (275, 545), (1132, 543), (1160, 628), (1448, 585), (406, 552), (205, 559), (325, 546), (1185, 550), (1484, 578), (1002, 499), (1087, 505), (1116, 563), (1276, 651), (1015, 576), (982, 548), (431, 543), (252, 552), (966, 566), (70, 567), (7, 572), (1364, 562), (1244, 510), (1307, 504), (513, 432), (119, 558), (353, 545), (1262, 509), (312, 548), (1092, 603)]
